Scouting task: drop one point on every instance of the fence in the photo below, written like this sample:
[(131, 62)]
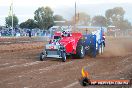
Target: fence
[(22, 32)]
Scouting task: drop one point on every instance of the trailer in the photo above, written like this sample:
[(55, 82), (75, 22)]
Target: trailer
[(77, 44)]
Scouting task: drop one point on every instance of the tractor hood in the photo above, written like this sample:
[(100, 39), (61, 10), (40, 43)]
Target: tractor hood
[(65, 40), (73, 38)]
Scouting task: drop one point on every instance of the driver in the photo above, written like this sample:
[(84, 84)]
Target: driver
[(66, 34)]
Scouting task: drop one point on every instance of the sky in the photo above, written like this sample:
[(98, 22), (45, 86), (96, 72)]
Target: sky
[(24, 9)]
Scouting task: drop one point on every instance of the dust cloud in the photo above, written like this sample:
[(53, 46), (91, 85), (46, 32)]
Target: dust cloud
[(118, 46)]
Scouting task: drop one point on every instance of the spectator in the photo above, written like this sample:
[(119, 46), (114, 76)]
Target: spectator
[(29, 33), (0, 33)]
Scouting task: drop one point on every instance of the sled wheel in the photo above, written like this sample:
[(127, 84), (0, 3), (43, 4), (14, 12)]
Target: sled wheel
[(101, 49)]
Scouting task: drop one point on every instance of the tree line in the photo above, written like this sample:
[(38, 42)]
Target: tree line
[(44, 19)]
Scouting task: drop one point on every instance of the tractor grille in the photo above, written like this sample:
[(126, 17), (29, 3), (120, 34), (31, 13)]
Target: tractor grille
[(52, 52)]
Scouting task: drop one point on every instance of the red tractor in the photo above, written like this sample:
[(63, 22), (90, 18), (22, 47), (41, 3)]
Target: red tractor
[(76, 44), (63, 44)]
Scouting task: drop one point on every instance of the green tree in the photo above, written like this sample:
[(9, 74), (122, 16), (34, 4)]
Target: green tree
[(124, 24), (44, 17), (82, 18), (23, 25), (99, 21), (30, 24), (58, 18), (9, 21), (114, 15)]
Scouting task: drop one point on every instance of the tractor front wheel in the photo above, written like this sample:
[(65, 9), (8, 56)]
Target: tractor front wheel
[(63, 55), (42, 56)]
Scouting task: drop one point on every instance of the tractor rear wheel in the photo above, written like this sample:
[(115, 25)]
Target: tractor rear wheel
[(80, 49)]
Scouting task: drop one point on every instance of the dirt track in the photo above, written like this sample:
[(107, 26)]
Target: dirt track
[(20, 68)]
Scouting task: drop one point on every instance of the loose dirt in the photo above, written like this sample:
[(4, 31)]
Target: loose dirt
[(20, 66)]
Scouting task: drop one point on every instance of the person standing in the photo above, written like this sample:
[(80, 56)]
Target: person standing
[(0, 33), (29, 33)]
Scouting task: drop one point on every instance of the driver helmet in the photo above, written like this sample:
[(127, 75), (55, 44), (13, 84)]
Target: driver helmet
[(64, 33)]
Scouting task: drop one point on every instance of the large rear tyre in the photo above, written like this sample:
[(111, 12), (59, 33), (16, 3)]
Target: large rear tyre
[(80, 49), (63, 55), (42, 56)]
